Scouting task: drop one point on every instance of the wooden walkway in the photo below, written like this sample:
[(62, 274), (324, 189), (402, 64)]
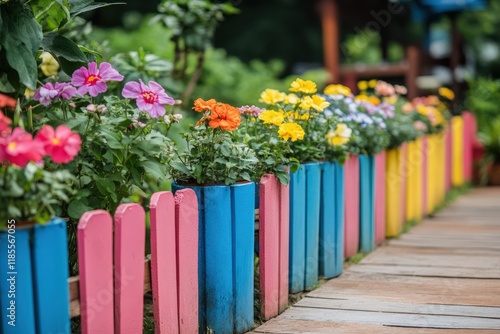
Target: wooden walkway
[(441, 277)]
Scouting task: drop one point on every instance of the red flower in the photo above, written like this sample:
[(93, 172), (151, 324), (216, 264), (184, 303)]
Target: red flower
[(19, 148), (4, 125), (7, 101), (61, 145)]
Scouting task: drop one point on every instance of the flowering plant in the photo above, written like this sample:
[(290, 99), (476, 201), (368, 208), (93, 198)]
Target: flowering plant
[(30, 192), (214, 153)]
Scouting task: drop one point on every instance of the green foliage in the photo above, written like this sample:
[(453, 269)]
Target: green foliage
[(482, 99), (490, 137), (33, 194)]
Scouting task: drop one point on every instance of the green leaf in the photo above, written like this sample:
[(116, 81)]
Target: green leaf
[(51, 13), (78, 7), (180, 167), (155, 169), (105, 186), (63, 47), (77, 208)]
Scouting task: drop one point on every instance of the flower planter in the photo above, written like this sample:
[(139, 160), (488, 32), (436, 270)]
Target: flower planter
[(457, 128), (35, 278), (331, 229), (393, 198), (380, 161), (305, 193), (366, 203), (351, 219), (225, 256)]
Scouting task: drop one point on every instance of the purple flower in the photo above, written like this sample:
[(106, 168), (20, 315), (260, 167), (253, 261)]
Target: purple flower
[(49, 92), (46, 94), (150, 98), (251, 110), (93, 80)]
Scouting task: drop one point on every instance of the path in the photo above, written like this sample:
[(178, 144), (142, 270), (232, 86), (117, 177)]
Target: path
[(441, 277)]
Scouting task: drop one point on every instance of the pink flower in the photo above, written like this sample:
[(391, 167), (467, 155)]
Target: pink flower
[(91, 108), (93, 80), (20, 148), (151, 99), (421, 126), (49, 92), (61, 145), (4, 125)]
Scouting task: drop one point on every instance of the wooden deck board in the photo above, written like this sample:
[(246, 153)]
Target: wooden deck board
[(441, 277)]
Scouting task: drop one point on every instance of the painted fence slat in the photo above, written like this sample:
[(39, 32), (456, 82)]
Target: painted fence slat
[(404, 179), (449, 158), (164, 263), (186, 222), (243, 209), (366, 203), (313, 193), (297, 229), (457, 125), (269, 249), (393, 196), (284, 242), (95, 258), (351, 216), (24, 315), (380, 197), (50, 277), (411, 185), (425, 157), (331, 240), (417, 160), (130, 238), (218, 260), (470, 129)]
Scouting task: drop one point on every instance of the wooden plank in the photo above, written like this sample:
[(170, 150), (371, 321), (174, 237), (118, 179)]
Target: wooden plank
[(284, 245), (393, 196), (429, 271), (424, 180), (297, 229), (164, 263), (50, 276), (380, 197), (327, 228), (269, 246), (404, 179), (95, 258), (294, 326), (366, 203), (186, 222), (313, 194), (351, 223), (130, 238), (391, 319), (360, 303), (242, 206)]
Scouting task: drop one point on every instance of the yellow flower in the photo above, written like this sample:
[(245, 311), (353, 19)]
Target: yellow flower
[(292, 131), (306, 103), (295, 115), (301, 86), (340, 136), (319, 103), (272, 117), (433, 100), (372, 83), (391, 99), (422, 109), (363, 85), (272, 96), (446, 93), (49, 65), (292, 99), (28, 93), (371, 99), (337, 90)]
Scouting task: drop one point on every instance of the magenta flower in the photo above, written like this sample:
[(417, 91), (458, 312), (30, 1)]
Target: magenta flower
[(49, 92), (60, 144), (149, 98), (93, 80)]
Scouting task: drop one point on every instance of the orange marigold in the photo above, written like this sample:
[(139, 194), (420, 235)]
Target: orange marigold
[(201, 105), (225, 117)]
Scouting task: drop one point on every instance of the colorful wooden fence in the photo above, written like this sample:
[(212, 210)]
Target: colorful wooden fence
[(366, 203), (380, 170), (393, 196), (351, 195)]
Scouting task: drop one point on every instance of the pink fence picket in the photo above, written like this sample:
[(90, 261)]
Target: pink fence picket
[(112, 288), (273, 245), (470, 128), (380, 164), (351, 231)]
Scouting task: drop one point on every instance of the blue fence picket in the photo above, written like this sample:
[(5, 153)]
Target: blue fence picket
[(313, 194), (50, 272), (367, 203), (22, 312), (243, 198), (297, 230)]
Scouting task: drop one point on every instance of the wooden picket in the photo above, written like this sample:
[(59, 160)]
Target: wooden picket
[(111, 289), (380, 162), (351, 190), (273, 246), (470, 128)]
